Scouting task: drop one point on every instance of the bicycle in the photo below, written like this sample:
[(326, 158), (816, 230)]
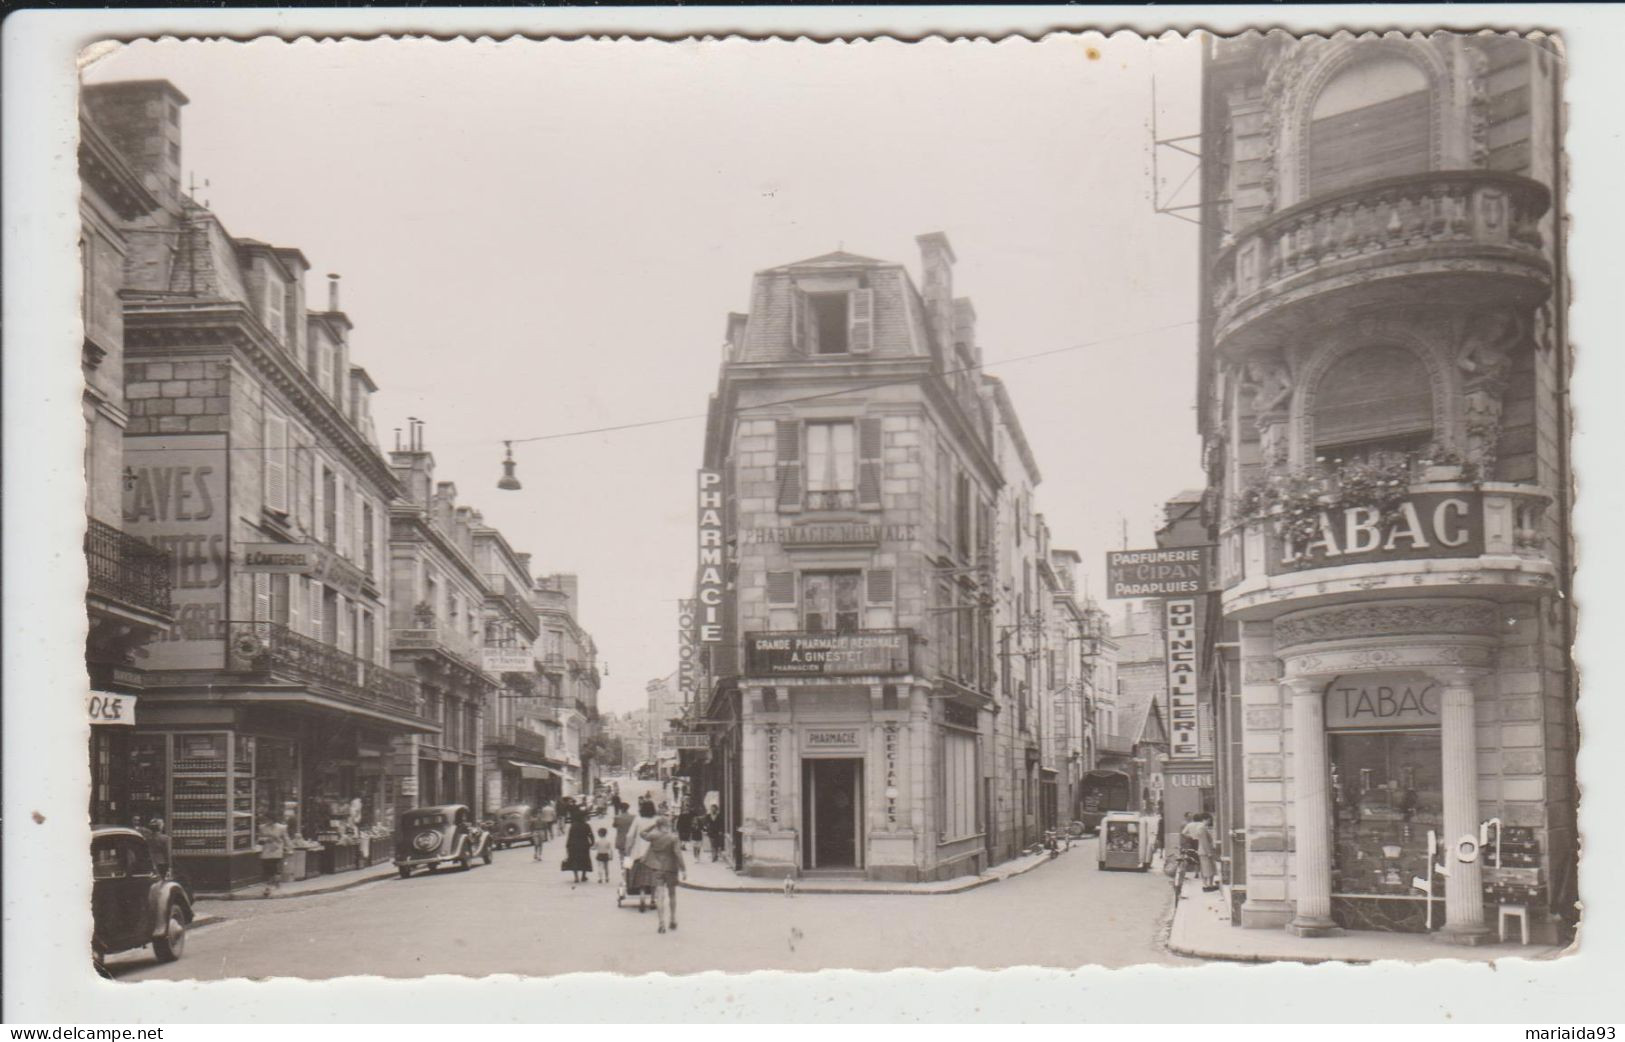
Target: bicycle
[(1185, 861)]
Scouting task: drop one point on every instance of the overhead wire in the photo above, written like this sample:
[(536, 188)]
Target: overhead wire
[(839, 392)]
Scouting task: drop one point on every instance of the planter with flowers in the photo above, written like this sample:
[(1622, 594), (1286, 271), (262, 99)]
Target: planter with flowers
[(1297, 501)]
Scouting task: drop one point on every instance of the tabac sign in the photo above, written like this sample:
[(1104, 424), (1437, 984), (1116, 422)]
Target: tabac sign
[(1382, 702), (1175, 572)]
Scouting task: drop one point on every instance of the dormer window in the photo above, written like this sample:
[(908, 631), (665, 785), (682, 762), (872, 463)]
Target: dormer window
[(274, 295), (833, 321)]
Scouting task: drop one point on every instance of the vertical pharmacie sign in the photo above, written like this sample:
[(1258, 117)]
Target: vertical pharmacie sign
[(175, 498), (1184, 729), (709, 583)]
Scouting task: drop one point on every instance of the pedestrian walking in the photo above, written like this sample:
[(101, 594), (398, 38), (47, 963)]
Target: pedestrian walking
[(663, 860), (603, 852), (274, 844), (538, 835), (1205, 852), (623, 823), (637, 845), (578, 848), (548, 815), (162, 850), (714, 832), (686, 831)]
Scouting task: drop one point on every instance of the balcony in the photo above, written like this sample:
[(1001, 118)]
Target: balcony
[(1449, 537), (522, 740), (1476, 230), (831, 500), (266, 647), (127, 570), (447, 649), (517, 600), (860, 653)]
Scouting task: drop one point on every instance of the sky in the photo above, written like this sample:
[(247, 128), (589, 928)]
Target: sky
[(541, 238)]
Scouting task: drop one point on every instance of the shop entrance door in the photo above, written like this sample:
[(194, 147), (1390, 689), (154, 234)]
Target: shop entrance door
[(831, 813)]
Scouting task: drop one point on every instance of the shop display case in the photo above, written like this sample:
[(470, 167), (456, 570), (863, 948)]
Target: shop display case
[(212, 793)]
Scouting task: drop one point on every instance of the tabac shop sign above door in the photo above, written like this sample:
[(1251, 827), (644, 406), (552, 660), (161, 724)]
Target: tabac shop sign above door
[(1382, 701), (1160, 573)]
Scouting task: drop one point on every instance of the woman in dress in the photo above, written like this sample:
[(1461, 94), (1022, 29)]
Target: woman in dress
[(638, 878), (578, 848)]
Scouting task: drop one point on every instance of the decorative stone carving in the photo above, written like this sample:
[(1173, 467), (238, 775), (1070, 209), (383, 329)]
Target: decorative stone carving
[(1425, 653), (1384, 620), (1478, 103), (1268, 383)]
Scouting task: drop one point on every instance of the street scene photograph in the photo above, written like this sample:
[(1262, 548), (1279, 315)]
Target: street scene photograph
[(663, 506)]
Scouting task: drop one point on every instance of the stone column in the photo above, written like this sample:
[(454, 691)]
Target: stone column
[(1312, 811), (1463, 888)]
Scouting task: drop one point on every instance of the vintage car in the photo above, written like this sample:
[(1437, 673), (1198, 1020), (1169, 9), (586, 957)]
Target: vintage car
[(514, 824), (429, 837), (132, 903)]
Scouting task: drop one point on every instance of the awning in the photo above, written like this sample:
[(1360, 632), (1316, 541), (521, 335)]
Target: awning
[(533, 770)]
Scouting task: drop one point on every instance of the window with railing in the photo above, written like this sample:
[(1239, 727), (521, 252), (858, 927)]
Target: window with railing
[(127, 569)]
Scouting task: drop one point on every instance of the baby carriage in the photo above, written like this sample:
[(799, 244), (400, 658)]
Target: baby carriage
[(636, 881)]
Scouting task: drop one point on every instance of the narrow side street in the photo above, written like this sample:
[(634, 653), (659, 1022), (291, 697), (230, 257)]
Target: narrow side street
[(523, 916)]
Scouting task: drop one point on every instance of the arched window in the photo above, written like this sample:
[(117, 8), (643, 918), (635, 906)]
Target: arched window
[(1371, 121), (1377, 399)]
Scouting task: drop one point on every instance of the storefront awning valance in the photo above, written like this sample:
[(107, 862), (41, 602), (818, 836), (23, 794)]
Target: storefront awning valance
[(533, 770)]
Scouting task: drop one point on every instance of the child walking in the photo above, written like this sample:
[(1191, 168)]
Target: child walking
[(604, 850)]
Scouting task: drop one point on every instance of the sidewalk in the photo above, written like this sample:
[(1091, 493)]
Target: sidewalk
[(306, 887), (718, 877), (1201, 927)]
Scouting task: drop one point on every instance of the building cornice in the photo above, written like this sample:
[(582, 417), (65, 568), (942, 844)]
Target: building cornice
[(166, 328)]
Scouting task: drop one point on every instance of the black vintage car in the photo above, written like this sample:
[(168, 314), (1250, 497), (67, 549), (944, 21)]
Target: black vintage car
[(514, 824), (428, 837), (132, 903)]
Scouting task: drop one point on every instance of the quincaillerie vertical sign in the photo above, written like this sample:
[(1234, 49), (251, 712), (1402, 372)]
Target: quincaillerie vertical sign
[(708, 586), (1184, 732)]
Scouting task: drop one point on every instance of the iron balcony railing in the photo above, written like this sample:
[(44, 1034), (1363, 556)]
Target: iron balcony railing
[(518, 601), (832, 500), (267, 647), (126, 569), (522, 739)]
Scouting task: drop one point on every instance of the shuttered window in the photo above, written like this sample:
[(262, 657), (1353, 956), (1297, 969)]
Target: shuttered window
[(860, 334), (871, 467), (1373, 394), (781, 587), (262, 601), (881, 585), (788, 442), (1372, 121), (275, 463)]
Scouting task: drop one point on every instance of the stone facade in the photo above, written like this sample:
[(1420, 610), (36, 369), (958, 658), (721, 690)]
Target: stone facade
[(1435, 561)]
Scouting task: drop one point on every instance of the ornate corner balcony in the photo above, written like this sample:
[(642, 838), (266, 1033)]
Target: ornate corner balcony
[(129, 572), (1478, 229), (1481, 540)]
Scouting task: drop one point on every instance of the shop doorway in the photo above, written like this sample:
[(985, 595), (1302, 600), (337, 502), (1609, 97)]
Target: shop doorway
[(831, 813)]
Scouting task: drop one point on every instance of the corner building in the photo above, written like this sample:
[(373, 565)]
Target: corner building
[(1384, 361), (856, 443)]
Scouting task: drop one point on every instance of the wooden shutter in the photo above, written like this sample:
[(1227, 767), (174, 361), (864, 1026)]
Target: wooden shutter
[(800, 317), (789, 463), (882, 585), (298, 595), (276, 462), (860, 321), (315, 622), (870, 467), (1374, 392), (344, 635), (341, 536), (781, 588), (262, 602), (1388, 139)]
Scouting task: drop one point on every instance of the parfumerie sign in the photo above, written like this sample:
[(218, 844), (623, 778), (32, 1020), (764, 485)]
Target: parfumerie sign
[(1184, 734), (827, 654), (1159, 573), (1382, 701)]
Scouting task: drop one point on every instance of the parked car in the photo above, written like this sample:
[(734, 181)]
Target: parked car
[(428, 837), (514, 824), (132, 904)]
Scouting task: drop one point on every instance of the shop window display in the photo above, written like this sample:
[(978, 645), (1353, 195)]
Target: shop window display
[(1387, 791)]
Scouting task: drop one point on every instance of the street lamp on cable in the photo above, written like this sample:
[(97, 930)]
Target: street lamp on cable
[(508, 482)]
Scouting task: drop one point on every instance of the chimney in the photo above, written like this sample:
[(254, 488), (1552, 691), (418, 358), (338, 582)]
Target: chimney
[(413, 465), (965, 328), (332, 292), (937, 269), (143, 120)]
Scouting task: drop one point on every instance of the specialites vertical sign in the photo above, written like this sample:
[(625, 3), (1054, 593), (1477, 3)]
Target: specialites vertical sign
[(1184, 730)]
